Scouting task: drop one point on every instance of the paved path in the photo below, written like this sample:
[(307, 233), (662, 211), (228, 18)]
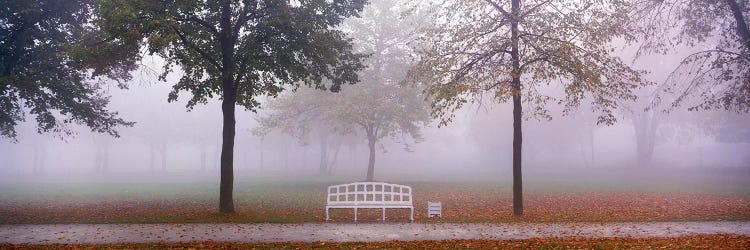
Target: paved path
[(113, 233)]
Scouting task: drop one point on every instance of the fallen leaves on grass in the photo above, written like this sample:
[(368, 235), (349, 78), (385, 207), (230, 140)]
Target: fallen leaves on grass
[(481, 206), (305, 203)]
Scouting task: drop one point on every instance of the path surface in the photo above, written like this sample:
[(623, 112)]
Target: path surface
[(116, 233)]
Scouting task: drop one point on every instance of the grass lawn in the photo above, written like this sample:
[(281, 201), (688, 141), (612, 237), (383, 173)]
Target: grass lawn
[(688, 242), (303, 201)]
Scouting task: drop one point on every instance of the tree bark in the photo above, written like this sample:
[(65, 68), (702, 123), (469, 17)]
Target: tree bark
[(229, 94), (371, 162), (226, 202), (517, 136), (742, 30)]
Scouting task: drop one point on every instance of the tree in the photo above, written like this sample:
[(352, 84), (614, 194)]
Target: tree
[(40, 154), (53, 65), (375, 109), (478, 48), (645, 125), (715, 76), (379, 106), (653, 127), (101, 156), (238, 50), (304, 114), (651, 124), (647, 120), (380, 110)]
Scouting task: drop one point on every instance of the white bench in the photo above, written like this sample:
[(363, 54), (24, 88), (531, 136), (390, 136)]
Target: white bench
[(369, 195)]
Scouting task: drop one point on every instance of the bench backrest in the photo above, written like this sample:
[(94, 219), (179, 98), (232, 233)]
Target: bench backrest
[(365, 193)]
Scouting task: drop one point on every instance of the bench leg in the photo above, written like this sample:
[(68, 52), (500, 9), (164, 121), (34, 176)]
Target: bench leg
[(411, 214), (327, 218), (383, 214), (355, 214)]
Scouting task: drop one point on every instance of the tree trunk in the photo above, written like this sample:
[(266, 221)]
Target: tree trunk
[(335, 158), (371, 162), (323, 155), (517, 147), (742, 30), (517, 138), (226, 202), (645, 125), (102, 155), (229, 94)]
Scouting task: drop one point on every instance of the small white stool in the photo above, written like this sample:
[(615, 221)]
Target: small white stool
[(434, 209)]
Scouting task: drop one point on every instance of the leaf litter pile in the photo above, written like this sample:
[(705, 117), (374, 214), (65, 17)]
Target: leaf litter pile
[(292, 203), (718, 241)]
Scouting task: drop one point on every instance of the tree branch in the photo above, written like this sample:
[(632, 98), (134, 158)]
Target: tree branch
[(203, 23), (541, 58), (245, 16), (243, 65), (500, 8), (532, 9), (192, 46)]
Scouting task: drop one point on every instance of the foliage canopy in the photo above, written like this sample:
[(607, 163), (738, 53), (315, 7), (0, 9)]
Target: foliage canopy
[(274, 44), (466, 54), (53, 65)]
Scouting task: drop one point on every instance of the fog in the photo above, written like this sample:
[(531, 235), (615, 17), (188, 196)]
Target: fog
[(168, 142)]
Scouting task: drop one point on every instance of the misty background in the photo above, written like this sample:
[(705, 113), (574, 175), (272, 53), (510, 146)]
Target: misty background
[(167, 142)]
